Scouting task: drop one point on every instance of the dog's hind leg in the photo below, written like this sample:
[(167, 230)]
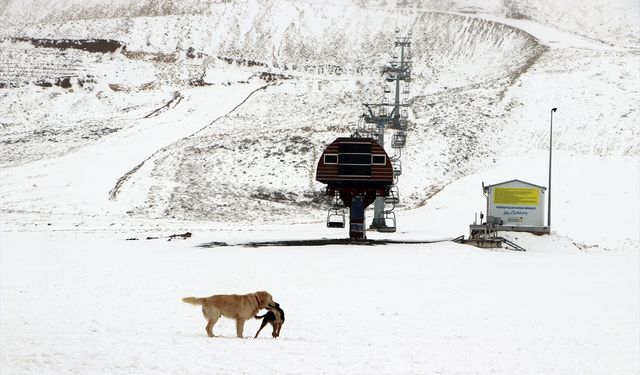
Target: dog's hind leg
[(278, 330), (210, 324), (264, 323), (212, 315)]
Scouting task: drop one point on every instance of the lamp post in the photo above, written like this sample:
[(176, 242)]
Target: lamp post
[(550, 148)]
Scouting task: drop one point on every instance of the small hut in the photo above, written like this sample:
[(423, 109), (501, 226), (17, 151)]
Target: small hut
[(516, 205), (357, 170)]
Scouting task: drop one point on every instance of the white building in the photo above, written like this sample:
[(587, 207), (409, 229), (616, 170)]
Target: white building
[(516, 203)]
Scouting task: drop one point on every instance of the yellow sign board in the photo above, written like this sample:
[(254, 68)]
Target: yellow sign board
[(516, 196)]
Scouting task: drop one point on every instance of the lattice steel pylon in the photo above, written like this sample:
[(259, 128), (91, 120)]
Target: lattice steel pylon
[(393, 115)]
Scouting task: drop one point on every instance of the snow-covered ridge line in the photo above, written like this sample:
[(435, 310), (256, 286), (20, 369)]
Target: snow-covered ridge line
[(614, 22), (547, 35), (298, 37)]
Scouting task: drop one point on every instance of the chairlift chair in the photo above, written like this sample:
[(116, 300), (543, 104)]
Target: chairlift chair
[(397, 167), (389, 220), (393, 197), (399, 139), (335, 217)]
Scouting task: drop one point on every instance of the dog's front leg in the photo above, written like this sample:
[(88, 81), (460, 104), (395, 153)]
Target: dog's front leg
[(264, 323), (239, 327)]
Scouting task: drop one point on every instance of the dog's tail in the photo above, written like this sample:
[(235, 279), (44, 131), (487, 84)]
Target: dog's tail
[(193, 300), (260, 316)]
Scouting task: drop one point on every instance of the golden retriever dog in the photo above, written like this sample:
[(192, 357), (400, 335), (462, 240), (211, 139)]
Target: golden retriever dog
[(233, 306)]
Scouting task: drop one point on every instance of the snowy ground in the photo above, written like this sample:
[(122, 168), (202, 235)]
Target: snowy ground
[(94, 304), (90, 301)]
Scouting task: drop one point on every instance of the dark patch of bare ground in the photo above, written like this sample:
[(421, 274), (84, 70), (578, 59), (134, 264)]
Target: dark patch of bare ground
[(89, 45), (317, 242)]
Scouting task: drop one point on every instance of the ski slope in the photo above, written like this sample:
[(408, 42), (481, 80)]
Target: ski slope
[(93, 303)]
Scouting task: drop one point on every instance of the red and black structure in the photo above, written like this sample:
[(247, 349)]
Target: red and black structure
[(357, 170)]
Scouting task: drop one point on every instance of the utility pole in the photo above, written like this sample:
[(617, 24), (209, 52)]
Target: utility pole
[(550, 149)]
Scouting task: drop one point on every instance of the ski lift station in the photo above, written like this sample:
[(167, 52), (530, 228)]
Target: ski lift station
[(514, 206), (357, 171)]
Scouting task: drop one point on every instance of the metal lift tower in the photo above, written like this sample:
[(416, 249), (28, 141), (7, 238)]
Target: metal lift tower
[(394, 115)]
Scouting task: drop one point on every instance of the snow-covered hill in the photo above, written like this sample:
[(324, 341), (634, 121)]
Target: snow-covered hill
[(210, 116), (467, 93), (323, 72)]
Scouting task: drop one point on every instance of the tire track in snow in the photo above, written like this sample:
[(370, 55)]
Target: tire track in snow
[(177, 98), (113, 193)]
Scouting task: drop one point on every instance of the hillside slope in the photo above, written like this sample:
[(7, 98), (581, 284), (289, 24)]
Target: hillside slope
[(246, 94), (323, 73)]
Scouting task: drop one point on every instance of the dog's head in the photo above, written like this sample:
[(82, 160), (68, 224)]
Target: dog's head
[(265, 300)]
